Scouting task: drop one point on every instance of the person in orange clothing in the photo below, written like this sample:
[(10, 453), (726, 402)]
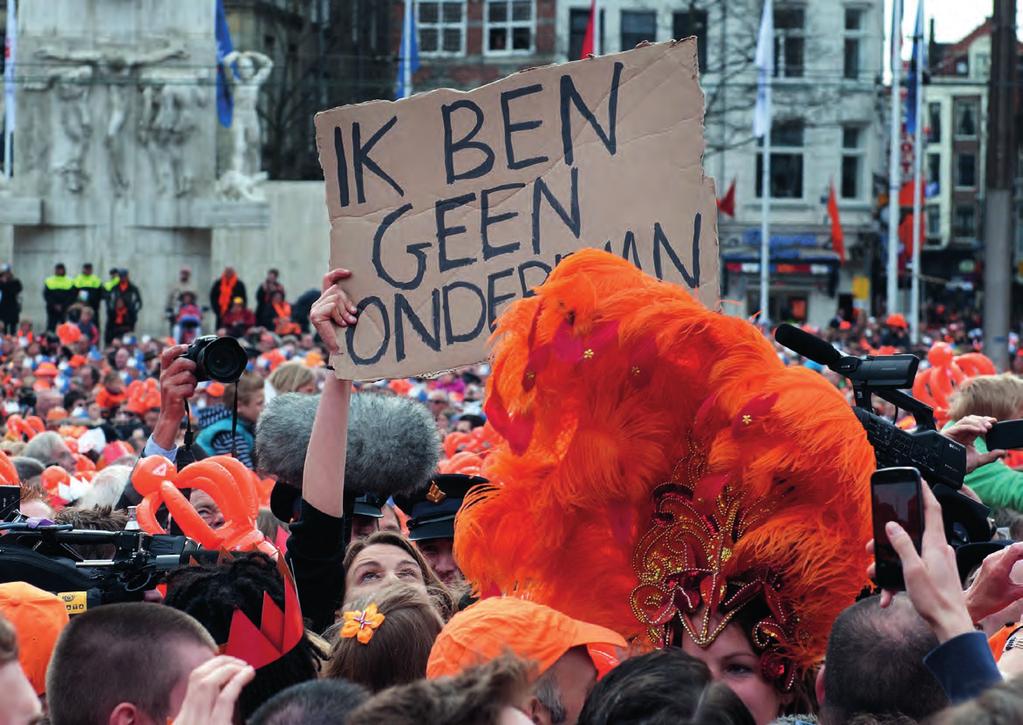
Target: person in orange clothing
[(38, 617), (18, 704), (570, 655), (225, 289), (112, 393)]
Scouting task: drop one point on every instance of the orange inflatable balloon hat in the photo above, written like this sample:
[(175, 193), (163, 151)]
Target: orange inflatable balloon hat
[(227, 481), (935, 385), (8, 473)]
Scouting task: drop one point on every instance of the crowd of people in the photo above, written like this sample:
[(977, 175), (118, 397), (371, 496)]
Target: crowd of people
[(638, 511)]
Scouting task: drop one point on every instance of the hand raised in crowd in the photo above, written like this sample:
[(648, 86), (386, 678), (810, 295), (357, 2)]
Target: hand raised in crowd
[(968, 430), (213, 690), (177, 384), (993, 590), (932, 578), (333, 308)]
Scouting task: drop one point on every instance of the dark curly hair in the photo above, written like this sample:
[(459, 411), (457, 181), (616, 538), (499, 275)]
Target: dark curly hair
[(211, 595)]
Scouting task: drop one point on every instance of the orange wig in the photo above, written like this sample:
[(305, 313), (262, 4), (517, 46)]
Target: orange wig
[(661, 469)]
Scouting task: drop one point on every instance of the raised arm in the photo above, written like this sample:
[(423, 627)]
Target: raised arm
[(323, 478), (266, 66), (73, 56), (227, 61)]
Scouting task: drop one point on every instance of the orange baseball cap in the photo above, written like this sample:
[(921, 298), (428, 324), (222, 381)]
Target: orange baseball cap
[(47, 370), (38, 617), (531, 631)]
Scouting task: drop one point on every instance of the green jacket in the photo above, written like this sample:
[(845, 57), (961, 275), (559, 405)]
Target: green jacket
[(998, 486)]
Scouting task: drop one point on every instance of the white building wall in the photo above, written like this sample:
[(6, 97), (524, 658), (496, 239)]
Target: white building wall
[(822, 97)]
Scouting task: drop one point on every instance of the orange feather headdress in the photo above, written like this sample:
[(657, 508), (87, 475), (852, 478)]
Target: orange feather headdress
[(663, 470)]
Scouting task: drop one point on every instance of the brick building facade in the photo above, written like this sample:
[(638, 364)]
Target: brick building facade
[(466, 43)]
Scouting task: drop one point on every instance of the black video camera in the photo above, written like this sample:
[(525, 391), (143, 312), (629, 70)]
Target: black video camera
[(217, 358), (940, 460), (45, 556)]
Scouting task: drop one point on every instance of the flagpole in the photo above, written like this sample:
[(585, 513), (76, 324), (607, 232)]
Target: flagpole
[(917, 174), (10, 52), (406, 50), (893, 162), (765, 213)]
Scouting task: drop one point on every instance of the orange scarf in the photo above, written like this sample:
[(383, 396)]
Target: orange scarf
[(226, 288), (283, 309)]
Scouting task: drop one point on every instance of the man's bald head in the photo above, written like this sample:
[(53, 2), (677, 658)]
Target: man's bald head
[(875, 663)]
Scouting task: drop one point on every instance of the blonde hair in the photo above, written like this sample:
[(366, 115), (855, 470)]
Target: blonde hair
[(247, 387), (997, 396), (291, 376)]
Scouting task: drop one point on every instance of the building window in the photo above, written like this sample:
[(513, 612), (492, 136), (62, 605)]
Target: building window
[(509, 26), (933, 221), (933, 168), (966, 170), (852, 161), (964, 221), (933, 122), (853, 39), (786, 161), (692, 22), (966, 113), (578, 19), (637, 26), (789, 41), (441, 27)]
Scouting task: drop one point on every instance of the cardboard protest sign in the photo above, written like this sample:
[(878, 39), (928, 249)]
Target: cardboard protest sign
[(450, 205)]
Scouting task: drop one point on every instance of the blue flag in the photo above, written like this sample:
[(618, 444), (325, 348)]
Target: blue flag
[(919, 56), (408, 56), (225, 105)]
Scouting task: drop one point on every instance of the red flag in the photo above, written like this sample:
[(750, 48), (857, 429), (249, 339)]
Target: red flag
[(837, 237), (587, 49), (906, 222), (726, 204)]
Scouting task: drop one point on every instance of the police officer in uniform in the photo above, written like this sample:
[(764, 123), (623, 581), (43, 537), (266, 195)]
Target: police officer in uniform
[(59, 295)]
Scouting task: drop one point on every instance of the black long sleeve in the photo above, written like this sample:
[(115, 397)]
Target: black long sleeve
[(316, 552)]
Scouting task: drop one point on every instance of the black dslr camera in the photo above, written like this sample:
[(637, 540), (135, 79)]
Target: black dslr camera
[(217, 358), (941, 461)]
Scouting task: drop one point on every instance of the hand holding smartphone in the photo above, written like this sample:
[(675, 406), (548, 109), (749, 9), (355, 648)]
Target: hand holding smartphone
[(895, 496)]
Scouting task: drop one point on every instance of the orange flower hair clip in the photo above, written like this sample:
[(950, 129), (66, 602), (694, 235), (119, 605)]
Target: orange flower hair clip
[(362, 625)]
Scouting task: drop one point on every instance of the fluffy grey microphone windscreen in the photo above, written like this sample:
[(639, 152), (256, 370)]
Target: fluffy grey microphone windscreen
[(393, 443)]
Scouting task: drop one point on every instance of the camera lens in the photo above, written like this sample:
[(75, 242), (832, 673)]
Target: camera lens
[(224, 360)]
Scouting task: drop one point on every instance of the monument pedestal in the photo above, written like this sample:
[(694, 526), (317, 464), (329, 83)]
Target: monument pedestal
[(114, 158)]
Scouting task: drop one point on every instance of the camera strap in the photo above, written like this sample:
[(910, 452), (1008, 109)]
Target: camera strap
[(234, 424)]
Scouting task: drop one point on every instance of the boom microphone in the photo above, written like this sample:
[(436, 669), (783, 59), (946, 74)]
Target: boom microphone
[(807, 345)]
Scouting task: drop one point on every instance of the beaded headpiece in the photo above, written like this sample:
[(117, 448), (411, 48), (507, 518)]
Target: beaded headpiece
[(663, 473)]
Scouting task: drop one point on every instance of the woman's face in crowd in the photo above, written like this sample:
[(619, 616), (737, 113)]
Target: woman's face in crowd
[(731, 660), (207, 508), (379, 565)]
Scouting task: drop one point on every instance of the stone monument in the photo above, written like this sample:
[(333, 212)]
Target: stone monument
[(114, 153)]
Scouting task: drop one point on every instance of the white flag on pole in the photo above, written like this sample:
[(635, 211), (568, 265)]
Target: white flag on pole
[(765, 69)]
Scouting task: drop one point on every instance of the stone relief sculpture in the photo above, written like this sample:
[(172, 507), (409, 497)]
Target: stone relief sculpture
[(243, 175), (115, 68), (168, 118), (72, 86)]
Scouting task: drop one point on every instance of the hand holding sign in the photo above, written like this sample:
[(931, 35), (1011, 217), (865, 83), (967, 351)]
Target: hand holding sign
[(332, 308)]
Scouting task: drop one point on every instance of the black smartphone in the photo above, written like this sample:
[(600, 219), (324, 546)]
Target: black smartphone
[(896, 495), (1005, 436)]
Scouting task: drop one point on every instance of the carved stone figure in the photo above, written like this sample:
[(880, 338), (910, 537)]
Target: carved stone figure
[(116, 68), (253, 70), (72, 88), (166, 123)]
